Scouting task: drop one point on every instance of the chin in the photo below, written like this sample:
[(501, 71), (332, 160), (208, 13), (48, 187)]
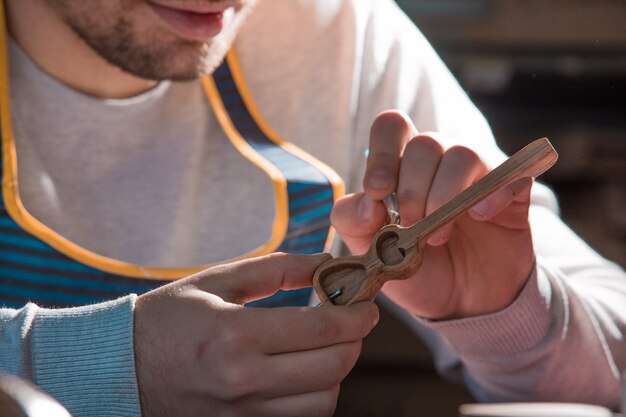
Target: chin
[(202, 60)]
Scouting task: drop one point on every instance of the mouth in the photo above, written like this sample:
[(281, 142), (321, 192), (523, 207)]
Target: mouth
[(197, 21)]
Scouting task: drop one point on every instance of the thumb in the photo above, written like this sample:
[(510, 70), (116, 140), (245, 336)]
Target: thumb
[(357, 218), (255, 278)]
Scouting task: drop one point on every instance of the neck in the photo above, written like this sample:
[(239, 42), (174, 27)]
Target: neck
[(57, 50)]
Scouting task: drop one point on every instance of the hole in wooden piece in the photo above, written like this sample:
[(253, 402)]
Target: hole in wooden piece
[(387, 249), (343, 283)]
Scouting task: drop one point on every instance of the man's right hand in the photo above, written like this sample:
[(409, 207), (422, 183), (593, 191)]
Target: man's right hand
[(199, 351)]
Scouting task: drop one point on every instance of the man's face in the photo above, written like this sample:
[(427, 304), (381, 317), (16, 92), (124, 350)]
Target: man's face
[(156, 39)]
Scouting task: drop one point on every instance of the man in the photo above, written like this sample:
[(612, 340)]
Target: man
[(122, 170)]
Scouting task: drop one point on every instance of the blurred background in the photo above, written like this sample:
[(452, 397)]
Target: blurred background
[(535, 68)]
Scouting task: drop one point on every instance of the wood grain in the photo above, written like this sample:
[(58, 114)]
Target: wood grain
[(396, 252)]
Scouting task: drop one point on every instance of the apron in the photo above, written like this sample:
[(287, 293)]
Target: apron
[(39, 265)]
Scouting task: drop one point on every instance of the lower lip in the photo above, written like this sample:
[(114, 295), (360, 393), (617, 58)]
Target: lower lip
[(190, 25)]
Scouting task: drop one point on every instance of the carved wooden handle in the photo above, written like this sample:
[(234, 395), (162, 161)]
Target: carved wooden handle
[(396, 252)]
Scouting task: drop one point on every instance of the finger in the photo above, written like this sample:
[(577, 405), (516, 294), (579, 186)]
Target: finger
[(390, 132), (292, 329), (506, 207), (311, 370), (310, 404), (357, 218), (458, 169), (419, 164), (256, 278)]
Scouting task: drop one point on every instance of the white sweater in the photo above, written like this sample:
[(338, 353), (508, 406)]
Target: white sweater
[(319, 71)]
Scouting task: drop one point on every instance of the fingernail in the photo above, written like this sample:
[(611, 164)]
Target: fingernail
[(322, 256), (366, 209), (437, 238), (380, 180), (482, 209)]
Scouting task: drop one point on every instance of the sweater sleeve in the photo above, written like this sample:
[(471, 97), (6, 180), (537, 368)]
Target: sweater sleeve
[(83, 356), (562, 339)]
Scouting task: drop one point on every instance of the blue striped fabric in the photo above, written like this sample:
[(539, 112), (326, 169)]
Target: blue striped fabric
[(310, 194), (31, 270)]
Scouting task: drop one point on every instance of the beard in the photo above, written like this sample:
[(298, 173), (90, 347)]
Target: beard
[(152, 53)]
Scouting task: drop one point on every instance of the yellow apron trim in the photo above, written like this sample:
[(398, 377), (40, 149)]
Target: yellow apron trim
[(281, 218), (26, 221), (335, 180)]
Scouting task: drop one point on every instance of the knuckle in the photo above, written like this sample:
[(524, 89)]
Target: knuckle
[(462, 154), (390, 120), (382, 159), (230, 338), (327, 330), (425, 143), (231, 383), (409, 198), (276, 256), (366, 319)]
